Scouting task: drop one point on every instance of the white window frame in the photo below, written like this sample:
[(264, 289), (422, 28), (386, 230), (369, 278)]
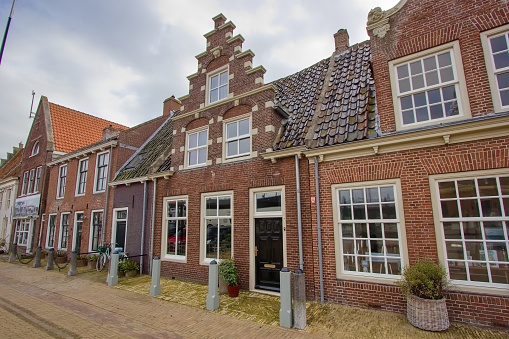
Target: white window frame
[(490, 65), (203, 216), (92, 229), (22, 235), (24, 186), (75, 230), (98, 176), (166, 218), (209, 88), (31, 179), (35, 149), (114, 226), (463, 285), (62, 179), (226, 140), (50, 232), (61, 231), (197, 148), (81, 179), (458, 82), (37, 181), (400, 221)]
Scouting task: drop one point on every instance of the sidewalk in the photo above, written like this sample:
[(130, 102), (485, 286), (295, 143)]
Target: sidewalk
[(39, 303)]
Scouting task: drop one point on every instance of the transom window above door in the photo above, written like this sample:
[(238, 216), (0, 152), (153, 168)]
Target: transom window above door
[(218, 86)]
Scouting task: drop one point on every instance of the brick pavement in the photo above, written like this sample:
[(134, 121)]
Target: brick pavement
[(43, 304)]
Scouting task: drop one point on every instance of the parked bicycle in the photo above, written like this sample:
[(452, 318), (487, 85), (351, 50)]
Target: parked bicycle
[(105, 255)]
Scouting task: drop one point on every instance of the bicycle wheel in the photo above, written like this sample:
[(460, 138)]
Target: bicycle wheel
[(100, 262)]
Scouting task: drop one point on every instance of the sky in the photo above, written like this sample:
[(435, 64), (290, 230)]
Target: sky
[(120, 59)]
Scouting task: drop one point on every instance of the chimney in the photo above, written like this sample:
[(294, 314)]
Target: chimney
[(219, 20), (110, 132), (341, 40), (171, 104)]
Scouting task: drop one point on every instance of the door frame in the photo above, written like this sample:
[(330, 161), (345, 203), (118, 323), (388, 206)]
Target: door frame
[(252, 216), (75, 229), (114, 226)]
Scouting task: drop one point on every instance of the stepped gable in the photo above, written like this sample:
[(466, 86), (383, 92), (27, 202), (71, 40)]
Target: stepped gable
[(331, 102), (11, 167), (151, 156), (73, 129)]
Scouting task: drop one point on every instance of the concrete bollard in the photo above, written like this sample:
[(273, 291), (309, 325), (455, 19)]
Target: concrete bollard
[(37, 262), (72, 268), (49, 261), (14, 251), (285, 311), (213, 296), (299, 300), (113, 271), (155, 287)]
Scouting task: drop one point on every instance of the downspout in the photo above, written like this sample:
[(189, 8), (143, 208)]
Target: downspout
[(152, 223), (319, 228), (105, 216), (299, 213), (143, 221)]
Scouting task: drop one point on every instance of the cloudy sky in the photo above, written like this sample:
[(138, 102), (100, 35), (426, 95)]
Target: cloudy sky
[(119, 59)]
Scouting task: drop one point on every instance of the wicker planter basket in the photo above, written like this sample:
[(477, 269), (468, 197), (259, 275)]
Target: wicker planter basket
[(426, 314)]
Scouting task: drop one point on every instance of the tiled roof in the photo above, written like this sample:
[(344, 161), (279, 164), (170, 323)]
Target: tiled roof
[(152, 157), (12, 167), (331, 102), (73, 130)]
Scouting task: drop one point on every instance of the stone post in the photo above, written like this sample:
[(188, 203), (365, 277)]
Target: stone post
[(49, 261), (299, 300), (213, 296), (72, 267), (37, 262), (285, 311), (113, 271), (155, 287), (14, 251)]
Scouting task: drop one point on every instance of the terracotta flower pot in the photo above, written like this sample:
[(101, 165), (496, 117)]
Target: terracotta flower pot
[(233, 291)]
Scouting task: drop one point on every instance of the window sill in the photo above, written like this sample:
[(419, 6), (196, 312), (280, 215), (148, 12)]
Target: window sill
[(485, 288), (382, 279), (174, 258), (239, 158)]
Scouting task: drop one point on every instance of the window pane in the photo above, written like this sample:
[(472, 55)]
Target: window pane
[(391, 231), (454, 250), (420, 99), (211, 206), (501, 60), (373, 211), (181, 212), (422, 114), (372, 194), (503, 80), (449, 93), (202, 138), (446, 74), (202, 156), (430, 63), (223, 78), (487, 187), (171, 209), (232, 148), (361, 231), (501, 276), (449, 209), (214, 81), (469, 208), (417, 81), (389, 211), (231, 130), (498, 44), (347, 231), (404, 85), (193, 158), (171, 232), (494, 231), (452, 230), (416, 67), (434, 96), (359, 213), (504, 185), (358, 195), (436, 111), (402, 71), (344, 196), (504, 98), (472, 230), (268, 202), (244, 127), (224, 206), (244, 146), (225, 231), (348, 246), (214, 95), (491, 207), (408, 117), (466, 188), (345, 213), (223, 92), (211, 244), (451, 108), (444, 59), (387, 194), (375, 230), (406, 102)]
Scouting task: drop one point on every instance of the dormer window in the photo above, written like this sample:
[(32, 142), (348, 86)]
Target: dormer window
[(218, 86), (35, 149)]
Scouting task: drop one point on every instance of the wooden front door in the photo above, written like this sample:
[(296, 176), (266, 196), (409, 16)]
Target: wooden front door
[(268, 252)]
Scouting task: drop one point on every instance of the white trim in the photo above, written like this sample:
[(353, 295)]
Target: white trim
[(243, 156), (114, 227), (58, 196), (75, 228), (60, 238), (203, 228), (458, 82), (52, 245), (35, 149), (338, 243), (210, 75), (91, 229), (463, 285), (106, 169), (78, 177), (490, 67), (164, 230), (187, 150)]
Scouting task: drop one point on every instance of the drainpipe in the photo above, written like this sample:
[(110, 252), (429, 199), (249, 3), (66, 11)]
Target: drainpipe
[(105, 216), (319, 227), (143, 215), (299, 216), (154, 180)]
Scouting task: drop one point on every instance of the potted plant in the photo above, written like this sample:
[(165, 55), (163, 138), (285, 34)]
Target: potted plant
[(60, 257), (130, 268), (424, 283), (81, 261), (92, 261), (228, 271)]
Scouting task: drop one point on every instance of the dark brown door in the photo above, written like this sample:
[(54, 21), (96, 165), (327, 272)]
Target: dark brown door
[(268, 252)]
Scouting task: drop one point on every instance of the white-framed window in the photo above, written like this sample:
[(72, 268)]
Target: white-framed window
[(175, 228), (24, 186), (217, 219), (81, 182), (197, 146), (119, 231), (77, 231), (268, 202), (22, 231), (35, 149), (237, 140), (429, 87), (95, 230), (37, 181), (64, 231), (218, 86), (62, 178), (496, 53), (472, 227), (369, 230), (50, 234), (31, 180), (101, 172)]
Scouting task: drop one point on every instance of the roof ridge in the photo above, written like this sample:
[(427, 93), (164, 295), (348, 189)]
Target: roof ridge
[(87, 114)]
